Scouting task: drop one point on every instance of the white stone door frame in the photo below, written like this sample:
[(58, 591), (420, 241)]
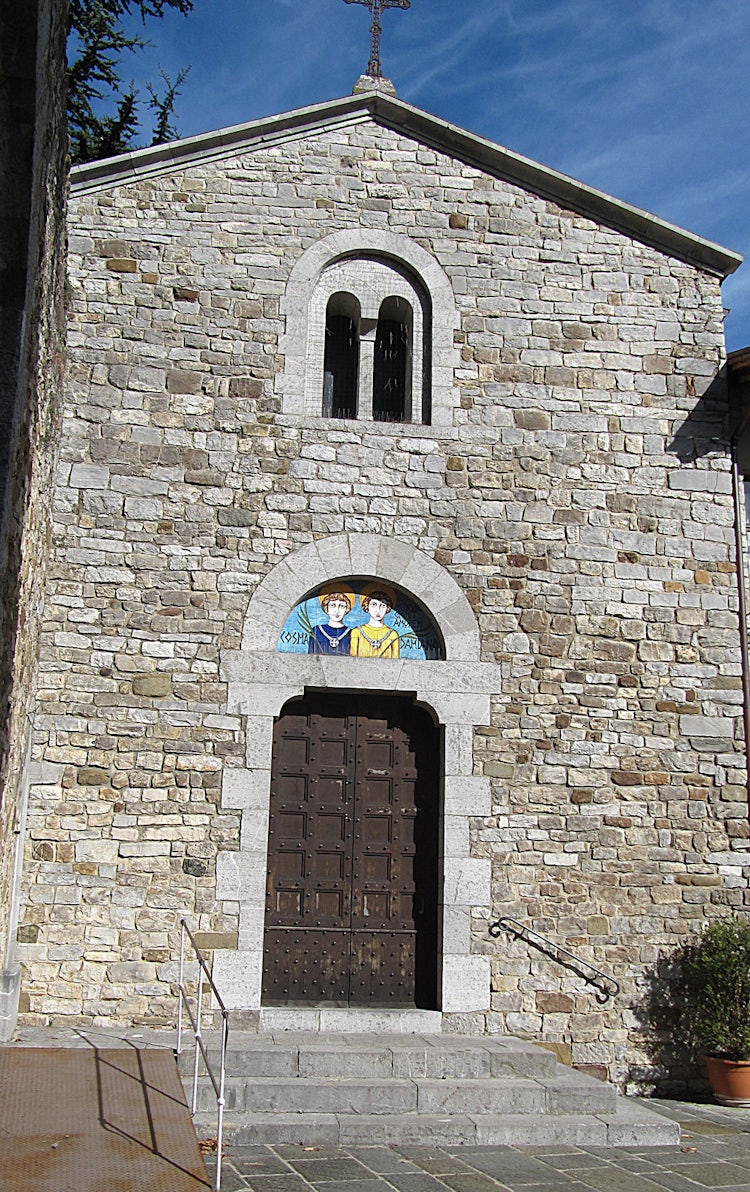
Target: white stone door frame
[(457, 691)]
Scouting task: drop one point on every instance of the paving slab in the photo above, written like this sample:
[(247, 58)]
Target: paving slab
[(291, 1182), (416, 1181), (325, 1170), (714, 1153)]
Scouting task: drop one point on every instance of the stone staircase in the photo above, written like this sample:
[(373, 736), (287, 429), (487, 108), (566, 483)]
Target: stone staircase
[(320, 1089)]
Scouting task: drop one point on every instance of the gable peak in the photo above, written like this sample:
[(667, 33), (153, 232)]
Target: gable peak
[(367, 85)]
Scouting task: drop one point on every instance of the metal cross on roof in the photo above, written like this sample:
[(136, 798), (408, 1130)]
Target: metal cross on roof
[(376, 7)]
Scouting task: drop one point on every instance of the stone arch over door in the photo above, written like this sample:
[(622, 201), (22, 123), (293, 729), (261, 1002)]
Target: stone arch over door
[(455, 691), (362, 554)]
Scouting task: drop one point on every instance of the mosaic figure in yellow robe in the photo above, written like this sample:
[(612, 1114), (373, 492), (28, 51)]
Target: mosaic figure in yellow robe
[(375, 640)]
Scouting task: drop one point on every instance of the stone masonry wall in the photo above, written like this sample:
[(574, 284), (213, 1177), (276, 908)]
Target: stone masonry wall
[(581, 499), (33, 182)]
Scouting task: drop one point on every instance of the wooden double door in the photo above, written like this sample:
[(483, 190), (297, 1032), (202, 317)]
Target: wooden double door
[(352, 890)]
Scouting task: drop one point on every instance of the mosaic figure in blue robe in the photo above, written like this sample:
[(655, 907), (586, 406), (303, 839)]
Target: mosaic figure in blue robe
[(332, 638)]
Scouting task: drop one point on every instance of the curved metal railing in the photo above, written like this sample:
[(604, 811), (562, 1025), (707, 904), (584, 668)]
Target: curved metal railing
[(200, 1050), (606, 987)]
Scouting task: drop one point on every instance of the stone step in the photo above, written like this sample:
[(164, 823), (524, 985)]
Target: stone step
[(630, 1125), (402, 1089), (400, 1057), (377, 1097), (339, 1020), (562, 1093)]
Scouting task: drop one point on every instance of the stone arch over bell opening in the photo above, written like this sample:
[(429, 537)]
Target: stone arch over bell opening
[(378, 312), (375, 268)]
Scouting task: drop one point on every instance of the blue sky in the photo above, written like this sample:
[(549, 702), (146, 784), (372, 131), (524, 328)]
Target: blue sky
[(648, 100)]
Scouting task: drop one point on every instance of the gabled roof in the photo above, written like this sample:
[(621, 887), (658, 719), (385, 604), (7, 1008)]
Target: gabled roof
[(429, 130)]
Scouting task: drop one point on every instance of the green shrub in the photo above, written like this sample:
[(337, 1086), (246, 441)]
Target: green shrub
[(717, 1003)]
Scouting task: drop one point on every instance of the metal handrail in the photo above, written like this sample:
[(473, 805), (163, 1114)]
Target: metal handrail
[(200, 1050), (606, 987)]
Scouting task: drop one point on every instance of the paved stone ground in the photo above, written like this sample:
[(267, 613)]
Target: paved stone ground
[(714, 1153)]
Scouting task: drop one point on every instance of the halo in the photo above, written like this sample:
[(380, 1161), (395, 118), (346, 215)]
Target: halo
[(386, 589), (343, 589)]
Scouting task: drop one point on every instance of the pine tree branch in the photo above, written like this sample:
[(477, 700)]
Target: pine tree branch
[(96, 41), (164, 129)]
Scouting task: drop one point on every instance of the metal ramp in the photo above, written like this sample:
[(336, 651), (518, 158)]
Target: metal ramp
[(90, 1119)]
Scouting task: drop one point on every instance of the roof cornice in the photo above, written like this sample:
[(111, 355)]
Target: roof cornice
[(430, 130), (738, 363)]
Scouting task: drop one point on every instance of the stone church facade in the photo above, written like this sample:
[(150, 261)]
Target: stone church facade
[(354, 353)]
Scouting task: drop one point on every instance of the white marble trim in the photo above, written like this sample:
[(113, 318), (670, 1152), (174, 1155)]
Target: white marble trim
[(457, 693)]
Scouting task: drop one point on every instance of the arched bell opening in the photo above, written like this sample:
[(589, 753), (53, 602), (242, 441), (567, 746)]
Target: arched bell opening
[(392, 372), (341, 357)]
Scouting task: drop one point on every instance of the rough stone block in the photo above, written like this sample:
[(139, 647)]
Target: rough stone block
[(92, 776), (155, 685)]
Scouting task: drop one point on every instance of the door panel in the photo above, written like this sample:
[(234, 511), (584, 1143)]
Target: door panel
[(354, 786)]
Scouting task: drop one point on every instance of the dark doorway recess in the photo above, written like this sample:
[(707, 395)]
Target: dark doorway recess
[(352, 891)]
